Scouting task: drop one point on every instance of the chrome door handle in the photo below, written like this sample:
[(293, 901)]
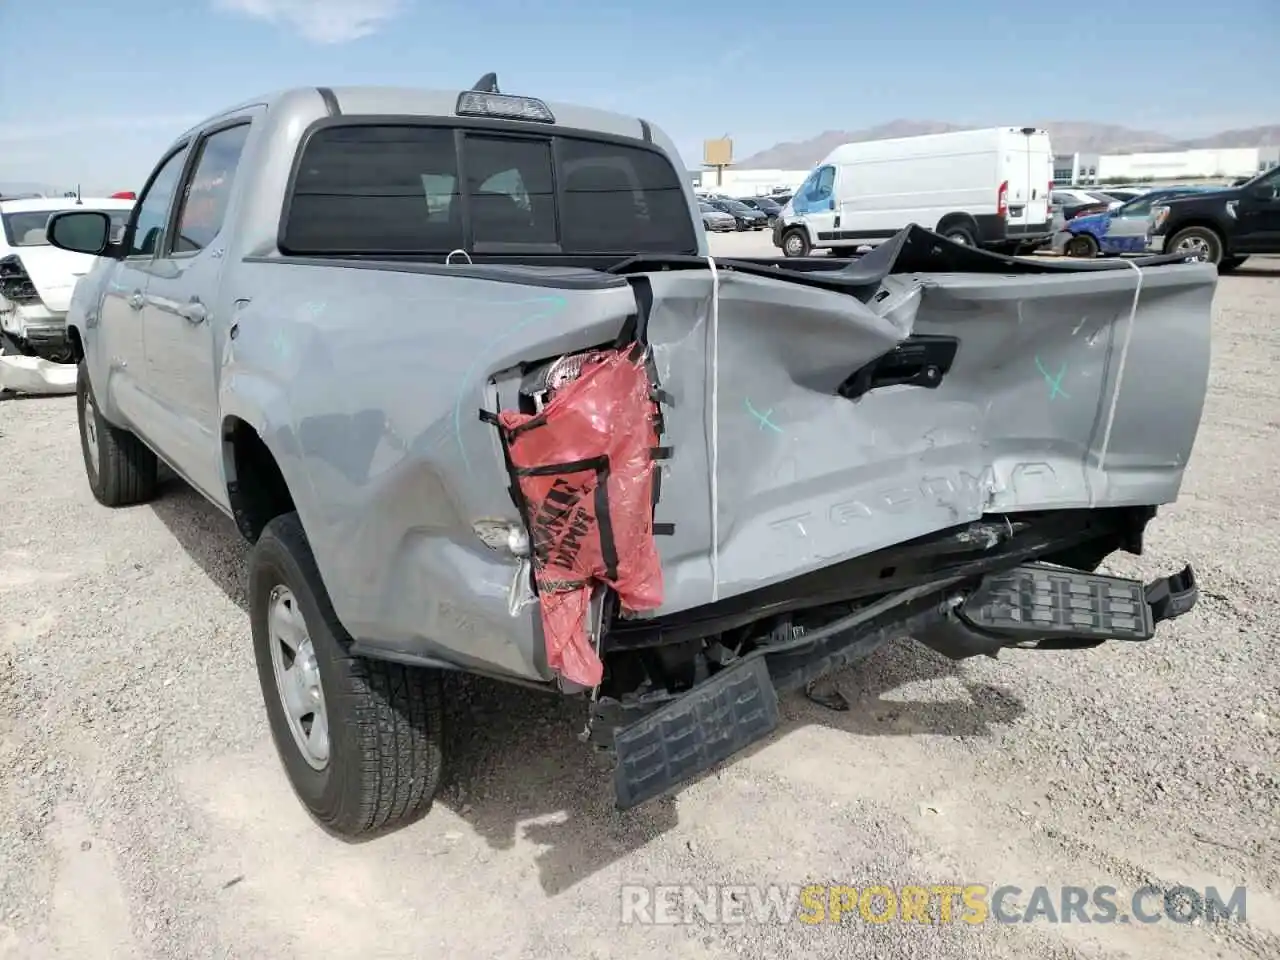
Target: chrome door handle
[(193, 312), (135, 301)]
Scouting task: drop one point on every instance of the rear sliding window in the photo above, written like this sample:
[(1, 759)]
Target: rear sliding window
[(395, 189)]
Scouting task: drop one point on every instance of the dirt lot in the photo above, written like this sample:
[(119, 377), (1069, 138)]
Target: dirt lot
[(143, 812)]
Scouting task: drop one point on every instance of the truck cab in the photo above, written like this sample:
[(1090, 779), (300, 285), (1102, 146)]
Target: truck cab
[(1223, 227)]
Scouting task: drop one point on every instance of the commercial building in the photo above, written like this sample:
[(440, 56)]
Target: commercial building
[(1222, 164), (1241, 162), (1172, 165), (750, 183), (1075, 168)]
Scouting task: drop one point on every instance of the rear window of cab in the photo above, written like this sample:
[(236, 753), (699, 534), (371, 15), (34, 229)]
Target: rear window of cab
[(413, 188)]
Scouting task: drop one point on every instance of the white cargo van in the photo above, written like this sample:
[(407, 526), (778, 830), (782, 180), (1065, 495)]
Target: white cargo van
[(985, 188)]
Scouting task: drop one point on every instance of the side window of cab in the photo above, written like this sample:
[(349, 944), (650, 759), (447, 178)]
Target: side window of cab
[(204, 200), (151, 221), (814, 195), (826, 182), (1141, 207)]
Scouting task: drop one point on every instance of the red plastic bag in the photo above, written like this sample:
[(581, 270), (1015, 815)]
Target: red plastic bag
[(584, 468)]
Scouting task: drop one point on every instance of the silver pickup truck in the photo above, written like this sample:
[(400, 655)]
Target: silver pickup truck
[(461, 368)]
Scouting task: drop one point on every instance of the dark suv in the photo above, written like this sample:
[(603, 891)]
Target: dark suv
[(1223, 227), (746, 217), (765, 205)]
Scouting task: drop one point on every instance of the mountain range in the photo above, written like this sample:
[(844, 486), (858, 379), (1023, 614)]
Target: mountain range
[(1066, 136)]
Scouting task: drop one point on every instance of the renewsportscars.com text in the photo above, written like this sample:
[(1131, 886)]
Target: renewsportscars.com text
[(675, 904)]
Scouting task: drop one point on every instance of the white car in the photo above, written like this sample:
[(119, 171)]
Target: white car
[(37, 279), (1072, 200)]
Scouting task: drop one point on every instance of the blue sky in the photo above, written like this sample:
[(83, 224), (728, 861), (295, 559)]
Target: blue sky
[(92, 91)]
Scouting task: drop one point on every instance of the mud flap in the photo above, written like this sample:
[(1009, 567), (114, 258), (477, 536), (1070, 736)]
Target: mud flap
[(735, 708)]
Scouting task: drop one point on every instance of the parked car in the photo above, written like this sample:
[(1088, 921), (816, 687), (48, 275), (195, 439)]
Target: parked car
[(37, 279), (1122, 230), (1075, 202), (716, 220), (987, 188), (1223, 227), (745, 217), (768, 207), (781, 199), (441, 434), (1121, 195)]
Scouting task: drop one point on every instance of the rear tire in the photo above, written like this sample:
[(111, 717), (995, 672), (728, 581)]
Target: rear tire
[(795, 243), (382, 752), (1081, 245), (122, 471), (961, 234)]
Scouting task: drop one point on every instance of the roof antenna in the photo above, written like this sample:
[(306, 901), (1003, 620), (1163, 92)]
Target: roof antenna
[(487, 84), (79, 202)]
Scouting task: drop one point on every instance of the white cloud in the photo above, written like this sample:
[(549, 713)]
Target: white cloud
[(320, 21)]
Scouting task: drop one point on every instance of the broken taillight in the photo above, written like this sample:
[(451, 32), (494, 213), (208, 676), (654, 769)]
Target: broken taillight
[(584, 477), (502, 536), (15, 283)]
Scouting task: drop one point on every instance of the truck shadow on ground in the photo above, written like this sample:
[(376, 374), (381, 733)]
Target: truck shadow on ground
[(1257, 267), (205, 534), (516, 772)]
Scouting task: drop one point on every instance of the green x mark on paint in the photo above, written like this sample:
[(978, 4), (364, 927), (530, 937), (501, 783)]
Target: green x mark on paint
[(763, 418), (1055, 383)]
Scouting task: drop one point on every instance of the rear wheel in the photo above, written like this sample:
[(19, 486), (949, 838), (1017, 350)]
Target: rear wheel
[(121, 469), (1081, 245), (961, 234), (1199, 243), (360, 739), (795, 243)]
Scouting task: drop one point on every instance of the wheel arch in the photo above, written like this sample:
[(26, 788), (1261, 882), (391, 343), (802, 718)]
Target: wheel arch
[(801, 227), (76, 339), (1204, 223), (959, 218), (1086, 235), (257, 490)]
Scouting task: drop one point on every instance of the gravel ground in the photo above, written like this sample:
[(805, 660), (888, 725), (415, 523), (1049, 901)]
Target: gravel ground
[(143, 812)]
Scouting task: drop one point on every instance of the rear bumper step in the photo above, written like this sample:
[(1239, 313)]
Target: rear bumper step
[(663, 740), (716, 719)]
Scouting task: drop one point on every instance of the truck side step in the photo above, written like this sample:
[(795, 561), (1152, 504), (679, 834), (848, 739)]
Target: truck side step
[(1047, 602), (736, 707)]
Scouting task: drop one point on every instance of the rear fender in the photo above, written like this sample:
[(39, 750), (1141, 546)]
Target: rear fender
[(261, 401)]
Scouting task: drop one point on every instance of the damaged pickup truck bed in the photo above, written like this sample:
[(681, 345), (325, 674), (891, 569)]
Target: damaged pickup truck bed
[(460, 367)]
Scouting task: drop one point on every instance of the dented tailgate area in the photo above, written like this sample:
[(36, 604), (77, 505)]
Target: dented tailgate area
[(759, 471), (772, 471)]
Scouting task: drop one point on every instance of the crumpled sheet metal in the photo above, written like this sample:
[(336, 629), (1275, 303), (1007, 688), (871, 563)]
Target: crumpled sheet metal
[(583, 471), (36, 376)]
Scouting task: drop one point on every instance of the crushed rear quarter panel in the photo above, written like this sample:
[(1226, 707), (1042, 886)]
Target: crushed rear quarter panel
[(379, 375)]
